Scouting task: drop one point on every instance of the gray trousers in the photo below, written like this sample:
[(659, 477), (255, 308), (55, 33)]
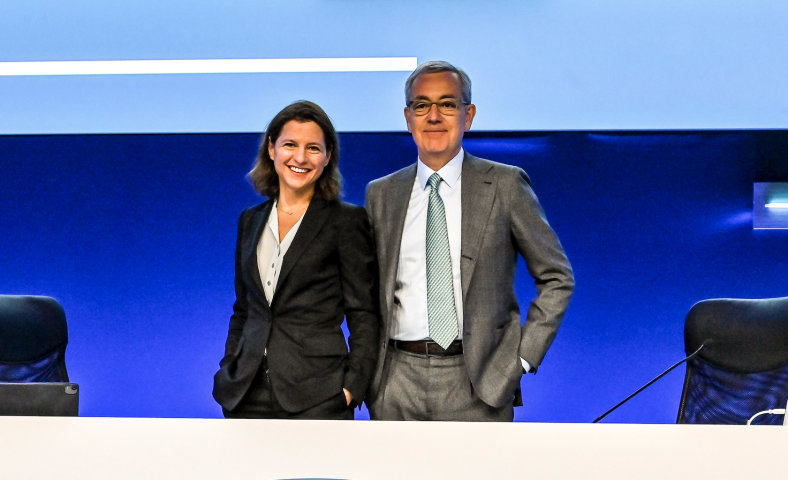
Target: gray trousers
[(420, 387)]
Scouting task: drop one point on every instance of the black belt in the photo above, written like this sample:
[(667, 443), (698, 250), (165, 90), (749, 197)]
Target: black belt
[(427, 347)]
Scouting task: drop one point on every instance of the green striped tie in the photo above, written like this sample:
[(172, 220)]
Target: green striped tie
[(441, 310)]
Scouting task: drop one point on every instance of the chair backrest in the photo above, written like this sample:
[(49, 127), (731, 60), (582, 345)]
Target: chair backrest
[(744, 369), (33, 339)]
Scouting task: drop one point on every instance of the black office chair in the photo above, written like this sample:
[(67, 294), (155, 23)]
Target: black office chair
[(744, 370), (33, 338)]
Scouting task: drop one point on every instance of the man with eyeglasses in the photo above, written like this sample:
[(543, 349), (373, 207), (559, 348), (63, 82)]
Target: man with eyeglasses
[(448, 230)]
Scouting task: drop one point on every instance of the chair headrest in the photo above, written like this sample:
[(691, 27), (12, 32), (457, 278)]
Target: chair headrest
[(31, 328), (747, 335)]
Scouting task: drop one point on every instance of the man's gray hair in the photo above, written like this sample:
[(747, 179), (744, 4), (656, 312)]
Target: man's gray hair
[(438, 67)]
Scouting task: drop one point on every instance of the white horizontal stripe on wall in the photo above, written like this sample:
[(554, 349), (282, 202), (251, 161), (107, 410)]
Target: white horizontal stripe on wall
[(251, 65)]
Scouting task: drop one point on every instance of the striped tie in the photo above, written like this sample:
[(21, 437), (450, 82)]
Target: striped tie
[(441, 311)]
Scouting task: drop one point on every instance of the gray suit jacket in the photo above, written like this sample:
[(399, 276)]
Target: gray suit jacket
[(501, 218)]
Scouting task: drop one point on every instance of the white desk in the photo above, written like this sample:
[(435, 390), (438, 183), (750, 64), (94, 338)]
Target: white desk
[(151, 448)]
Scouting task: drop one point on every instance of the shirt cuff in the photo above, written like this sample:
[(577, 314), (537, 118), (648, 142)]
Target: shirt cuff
[(526, 365)]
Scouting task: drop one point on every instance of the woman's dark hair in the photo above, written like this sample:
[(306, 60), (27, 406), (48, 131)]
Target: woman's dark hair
[(263, 175)]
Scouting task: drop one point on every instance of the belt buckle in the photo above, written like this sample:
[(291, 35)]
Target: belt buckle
[(427, 348)]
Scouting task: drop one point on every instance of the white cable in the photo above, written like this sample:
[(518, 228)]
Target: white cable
[(785, 419), (776, 411)]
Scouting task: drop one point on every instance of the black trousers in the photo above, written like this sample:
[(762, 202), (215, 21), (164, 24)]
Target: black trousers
[(260, 402)]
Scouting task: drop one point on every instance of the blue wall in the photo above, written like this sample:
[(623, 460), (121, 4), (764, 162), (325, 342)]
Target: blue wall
[(552, 65), (134, 235)]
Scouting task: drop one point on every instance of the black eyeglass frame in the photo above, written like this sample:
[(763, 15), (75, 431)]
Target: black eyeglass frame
[(437, 105)]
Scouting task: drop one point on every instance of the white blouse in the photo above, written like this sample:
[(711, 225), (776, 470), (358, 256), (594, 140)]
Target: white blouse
[(270, 251)]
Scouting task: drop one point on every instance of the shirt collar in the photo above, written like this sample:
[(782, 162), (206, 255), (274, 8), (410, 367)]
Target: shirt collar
[(273, 221), (450, 173)]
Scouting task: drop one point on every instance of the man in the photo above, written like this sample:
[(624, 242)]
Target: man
[(448, 231)]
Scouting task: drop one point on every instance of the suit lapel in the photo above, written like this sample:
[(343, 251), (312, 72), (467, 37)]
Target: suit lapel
[(396, 199), (478, 193), (314, 218), (250, 258)]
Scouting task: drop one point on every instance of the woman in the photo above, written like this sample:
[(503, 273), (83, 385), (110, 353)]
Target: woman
[(303, 262)]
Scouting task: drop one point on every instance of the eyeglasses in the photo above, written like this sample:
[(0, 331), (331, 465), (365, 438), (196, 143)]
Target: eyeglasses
[(447, 106)]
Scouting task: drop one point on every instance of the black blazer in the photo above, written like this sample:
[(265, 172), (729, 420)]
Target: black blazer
[(328, 274)]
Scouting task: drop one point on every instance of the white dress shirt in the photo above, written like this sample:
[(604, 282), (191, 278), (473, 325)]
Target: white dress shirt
[(270, 252), (410, 290)]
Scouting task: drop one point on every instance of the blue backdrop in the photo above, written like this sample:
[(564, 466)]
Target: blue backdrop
[(134, 235)]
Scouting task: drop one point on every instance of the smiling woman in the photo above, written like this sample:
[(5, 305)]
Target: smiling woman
[(304, 263), (299, 156), (301, 118)]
